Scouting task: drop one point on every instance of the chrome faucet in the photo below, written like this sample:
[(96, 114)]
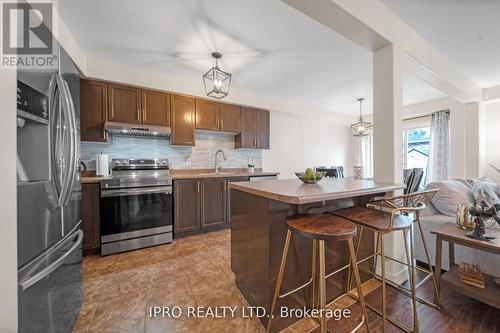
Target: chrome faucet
[(217, 166)]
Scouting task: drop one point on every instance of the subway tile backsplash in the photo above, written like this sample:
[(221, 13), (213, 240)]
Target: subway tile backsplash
[(200, 156)]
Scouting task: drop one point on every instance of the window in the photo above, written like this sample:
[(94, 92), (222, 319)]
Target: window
[(416, 147)]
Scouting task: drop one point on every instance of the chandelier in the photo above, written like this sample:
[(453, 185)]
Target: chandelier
[(361, 128), (216, 81)]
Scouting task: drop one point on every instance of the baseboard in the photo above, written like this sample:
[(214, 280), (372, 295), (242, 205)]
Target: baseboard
[(398, 277)]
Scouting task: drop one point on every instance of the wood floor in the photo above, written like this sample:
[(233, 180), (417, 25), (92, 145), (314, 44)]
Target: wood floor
[(195, 271)]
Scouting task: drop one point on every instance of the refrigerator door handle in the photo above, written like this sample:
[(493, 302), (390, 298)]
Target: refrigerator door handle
[(73, 163), (67, 182), (54, 136), (26, 283)]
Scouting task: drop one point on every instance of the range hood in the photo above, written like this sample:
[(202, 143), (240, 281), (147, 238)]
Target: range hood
[(119, 128)]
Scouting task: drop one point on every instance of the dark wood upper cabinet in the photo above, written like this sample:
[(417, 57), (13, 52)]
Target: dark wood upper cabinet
[(207, 115), (124, 103), (93, 110), (182, 120), (213, 202), (155, 108), (246, 139), (262, 128), (230, 118), (91, 218), (186, 206), (254, 129)]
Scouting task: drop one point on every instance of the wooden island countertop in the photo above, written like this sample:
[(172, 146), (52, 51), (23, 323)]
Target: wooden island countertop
[(294, 191)]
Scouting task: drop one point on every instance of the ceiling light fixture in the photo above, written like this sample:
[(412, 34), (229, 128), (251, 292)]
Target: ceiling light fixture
[(216, 81), (361, 128)]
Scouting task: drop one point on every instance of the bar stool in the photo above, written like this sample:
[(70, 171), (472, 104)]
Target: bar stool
[(383, 217), (321, 228), (413, 204)]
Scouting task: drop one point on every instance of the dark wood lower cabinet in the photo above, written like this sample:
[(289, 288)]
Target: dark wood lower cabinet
[(91, 219), (186, 207), (201, 205), (213, 203)]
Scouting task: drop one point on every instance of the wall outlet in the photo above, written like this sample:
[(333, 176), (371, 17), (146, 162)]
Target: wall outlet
[(188, 161)]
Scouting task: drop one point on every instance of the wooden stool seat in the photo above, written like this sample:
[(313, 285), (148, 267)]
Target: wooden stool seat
[(322, 226), (320, 229), (374, 219)]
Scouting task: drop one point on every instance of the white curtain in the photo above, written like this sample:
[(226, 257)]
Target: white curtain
[(367, 153), (438, 165)]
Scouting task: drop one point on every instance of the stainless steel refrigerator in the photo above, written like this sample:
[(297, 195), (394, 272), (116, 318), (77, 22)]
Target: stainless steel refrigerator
[(49, 198)]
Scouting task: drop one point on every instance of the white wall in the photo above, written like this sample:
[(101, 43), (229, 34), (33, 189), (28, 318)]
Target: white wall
[(490, 140), (298, 142), (8, 222), (457, 128)]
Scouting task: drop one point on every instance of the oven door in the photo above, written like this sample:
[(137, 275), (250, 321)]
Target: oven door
[(135, 212)]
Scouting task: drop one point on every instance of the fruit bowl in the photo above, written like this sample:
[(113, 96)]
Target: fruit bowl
[(311, 177)]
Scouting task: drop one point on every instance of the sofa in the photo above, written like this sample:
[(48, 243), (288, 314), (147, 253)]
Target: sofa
[(442, 209)]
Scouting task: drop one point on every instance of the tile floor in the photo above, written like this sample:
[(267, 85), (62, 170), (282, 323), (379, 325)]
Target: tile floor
[(193, 271)]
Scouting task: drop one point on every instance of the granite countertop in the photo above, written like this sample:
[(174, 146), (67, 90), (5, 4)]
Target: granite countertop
[(293, 191), (225, 173), (89, 177)]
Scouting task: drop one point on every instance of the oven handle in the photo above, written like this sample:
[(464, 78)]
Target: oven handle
[(122, 192)]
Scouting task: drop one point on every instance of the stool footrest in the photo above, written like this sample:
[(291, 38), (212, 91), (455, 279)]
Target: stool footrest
[(296, 289)]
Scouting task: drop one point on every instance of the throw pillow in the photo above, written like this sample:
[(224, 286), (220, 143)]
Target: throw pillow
[(485, 194), (451, 193)]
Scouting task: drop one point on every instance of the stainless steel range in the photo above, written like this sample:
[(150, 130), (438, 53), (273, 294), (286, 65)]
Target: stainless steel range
[(136, 205)]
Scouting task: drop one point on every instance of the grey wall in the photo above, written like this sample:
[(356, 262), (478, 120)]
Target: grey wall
[(201, 156)]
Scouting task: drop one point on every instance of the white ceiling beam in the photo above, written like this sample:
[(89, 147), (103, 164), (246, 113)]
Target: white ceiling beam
[(491, 94), (373, 26)]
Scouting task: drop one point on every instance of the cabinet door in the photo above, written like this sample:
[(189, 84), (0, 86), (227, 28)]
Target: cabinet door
[(90, 217), (262, 129), (230, 118), (186, 206), (213, 202), (155, 108), (182, 120), (124, 104), (93, 110), (207, 115), (247, 139)]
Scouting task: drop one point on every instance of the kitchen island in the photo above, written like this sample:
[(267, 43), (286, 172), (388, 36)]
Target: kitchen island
[(259, 211)]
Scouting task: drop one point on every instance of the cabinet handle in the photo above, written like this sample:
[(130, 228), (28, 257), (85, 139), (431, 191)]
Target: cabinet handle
[(258, 142), (144, 115), (138, 114), (221, 123), (198, 183)]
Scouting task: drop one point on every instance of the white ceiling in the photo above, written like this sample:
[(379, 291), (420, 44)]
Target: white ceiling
[(467, 32), (271, 49)]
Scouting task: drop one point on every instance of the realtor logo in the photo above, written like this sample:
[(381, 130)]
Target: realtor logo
[(27, 39)]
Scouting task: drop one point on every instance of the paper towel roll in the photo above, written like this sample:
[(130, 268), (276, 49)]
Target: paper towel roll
[(102, 167)]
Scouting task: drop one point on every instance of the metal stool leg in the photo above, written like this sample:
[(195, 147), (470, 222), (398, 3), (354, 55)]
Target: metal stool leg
[(354, 264), (349, 272), (409, 258), (322, 286), (384, 297), (314, 302), (280, 278), (437, 299)]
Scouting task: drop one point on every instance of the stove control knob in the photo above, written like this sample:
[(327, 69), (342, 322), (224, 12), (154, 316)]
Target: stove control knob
[(116, 162)]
